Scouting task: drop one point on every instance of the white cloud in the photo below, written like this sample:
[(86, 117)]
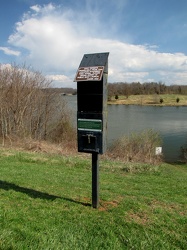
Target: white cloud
[(62, 78), (59, 80), (9, 51), (56, 40), (43, 10)]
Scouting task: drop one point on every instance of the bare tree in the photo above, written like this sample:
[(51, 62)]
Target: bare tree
[(27, 109)]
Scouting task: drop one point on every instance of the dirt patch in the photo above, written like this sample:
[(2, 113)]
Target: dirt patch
[(140, 218), (106, 205), (170, 207)]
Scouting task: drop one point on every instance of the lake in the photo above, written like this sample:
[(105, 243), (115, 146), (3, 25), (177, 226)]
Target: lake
[(170, 122)]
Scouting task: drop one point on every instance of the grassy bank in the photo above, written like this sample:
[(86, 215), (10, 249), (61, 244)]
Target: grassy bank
[(45, 203), (168, 100)]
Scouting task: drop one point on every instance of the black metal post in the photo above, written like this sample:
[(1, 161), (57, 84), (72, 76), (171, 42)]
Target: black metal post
[(95, 180)]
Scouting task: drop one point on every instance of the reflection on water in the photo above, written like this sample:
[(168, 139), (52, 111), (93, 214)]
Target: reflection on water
[(170, 122)]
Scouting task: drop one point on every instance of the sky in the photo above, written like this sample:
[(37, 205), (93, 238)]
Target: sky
[(146, 39)]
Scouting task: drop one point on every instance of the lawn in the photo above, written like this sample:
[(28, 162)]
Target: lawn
[(45, 203)]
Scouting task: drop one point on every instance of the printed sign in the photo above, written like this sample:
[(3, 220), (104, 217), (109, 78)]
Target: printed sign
[(90, 125), (158, 150), (89, 73)]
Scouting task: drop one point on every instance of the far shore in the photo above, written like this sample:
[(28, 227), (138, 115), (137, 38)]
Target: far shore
[(150, 100)]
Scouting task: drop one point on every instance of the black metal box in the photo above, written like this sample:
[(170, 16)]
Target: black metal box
[(91, 81)]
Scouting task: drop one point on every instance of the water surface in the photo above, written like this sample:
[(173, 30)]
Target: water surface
[(170, 122)]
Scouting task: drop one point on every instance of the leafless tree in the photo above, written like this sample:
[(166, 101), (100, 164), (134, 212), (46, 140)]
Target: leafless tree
[(27, 109)]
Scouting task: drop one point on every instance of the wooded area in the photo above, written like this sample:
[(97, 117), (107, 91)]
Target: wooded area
[(137, 88)]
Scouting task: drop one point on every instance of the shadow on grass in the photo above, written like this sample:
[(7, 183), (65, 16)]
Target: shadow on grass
[(36, 194)]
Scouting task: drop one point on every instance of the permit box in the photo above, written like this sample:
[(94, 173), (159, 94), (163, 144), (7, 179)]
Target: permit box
[(91, 78)]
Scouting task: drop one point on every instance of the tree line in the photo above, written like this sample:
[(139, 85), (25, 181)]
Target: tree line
[(148, 88)]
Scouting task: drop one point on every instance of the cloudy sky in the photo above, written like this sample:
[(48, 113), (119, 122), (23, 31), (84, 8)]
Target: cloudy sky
[(147, 39)]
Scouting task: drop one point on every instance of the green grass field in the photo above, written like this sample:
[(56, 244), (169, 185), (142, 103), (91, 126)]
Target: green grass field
[(168, 100), (45, 203)]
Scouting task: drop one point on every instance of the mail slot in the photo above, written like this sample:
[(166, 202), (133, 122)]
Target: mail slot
[(88, 143), (91, 78)]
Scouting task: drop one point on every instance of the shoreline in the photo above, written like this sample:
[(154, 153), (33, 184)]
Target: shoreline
[(151, 105), (165, 100)]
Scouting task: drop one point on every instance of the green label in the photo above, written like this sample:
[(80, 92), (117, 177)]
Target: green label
[(89, 124)]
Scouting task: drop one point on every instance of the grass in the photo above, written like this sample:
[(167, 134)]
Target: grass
[(45, 203), (137, 147), (168, 100)]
